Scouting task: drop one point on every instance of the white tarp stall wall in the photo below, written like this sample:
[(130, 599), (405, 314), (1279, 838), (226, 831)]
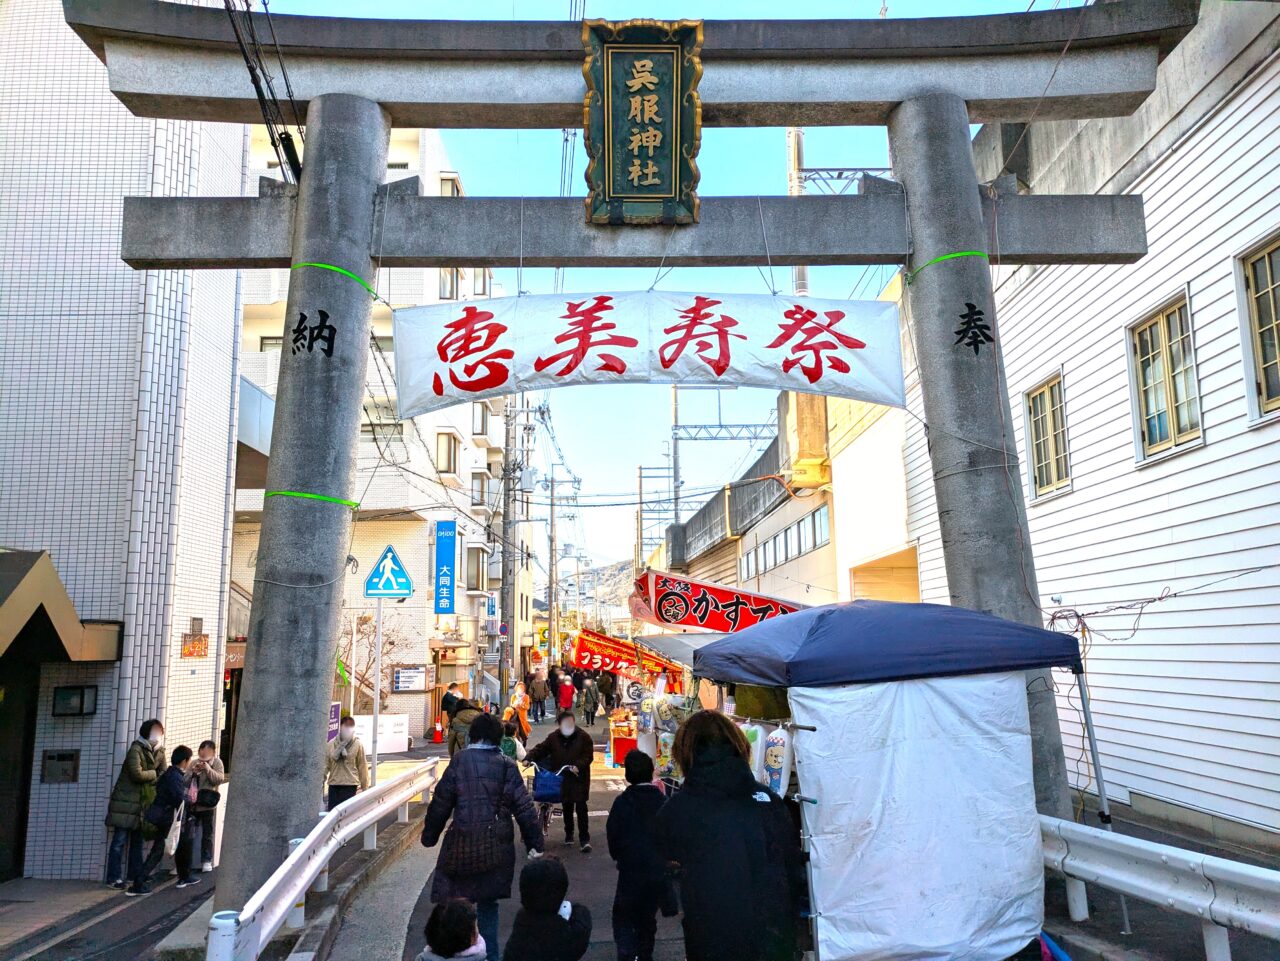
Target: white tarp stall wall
[(925, 844)]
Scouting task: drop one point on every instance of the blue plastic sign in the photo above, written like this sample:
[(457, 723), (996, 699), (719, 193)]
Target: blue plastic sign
[(491, 605), (446, 565), (388, 577)]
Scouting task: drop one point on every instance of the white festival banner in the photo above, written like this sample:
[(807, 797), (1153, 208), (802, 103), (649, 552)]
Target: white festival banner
[(469, 350)]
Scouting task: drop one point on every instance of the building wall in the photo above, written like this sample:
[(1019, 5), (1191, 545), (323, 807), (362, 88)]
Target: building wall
[(869, 495), (1187, 689), (106, 374), (807, 579)]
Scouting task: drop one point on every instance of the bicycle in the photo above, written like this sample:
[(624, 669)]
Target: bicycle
[(546, 809)]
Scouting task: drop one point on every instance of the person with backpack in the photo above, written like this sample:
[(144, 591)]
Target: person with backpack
[(481, 791), (642, 870), (511, 746), (170, 802), (134, 790)]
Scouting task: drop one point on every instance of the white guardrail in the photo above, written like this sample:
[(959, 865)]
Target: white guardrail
[(1223, 894), (242, 935)]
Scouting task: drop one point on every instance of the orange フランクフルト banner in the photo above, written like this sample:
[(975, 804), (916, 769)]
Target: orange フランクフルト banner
[(598, 652)]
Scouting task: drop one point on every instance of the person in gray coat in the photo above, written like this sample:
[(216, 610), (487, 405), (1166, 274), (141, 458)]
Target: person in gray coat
[(134, 790)]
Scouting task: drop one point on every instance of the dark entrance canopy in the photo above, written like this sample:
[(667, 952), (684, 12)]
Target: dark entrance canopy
[(867, 641)]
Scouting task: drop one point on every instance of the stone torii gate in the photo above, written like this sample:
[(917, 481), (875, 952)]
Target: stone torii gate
[(927, 80)]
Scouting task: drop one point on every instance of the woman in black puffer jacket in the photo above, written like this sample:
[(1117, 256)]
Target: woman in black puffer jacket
[(742, 879), (479, 786)]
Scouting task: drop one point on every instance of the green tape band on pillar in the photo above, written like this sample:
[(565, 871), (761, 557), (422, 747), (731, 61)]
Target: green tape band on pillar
[(373, 293), (962, 253), (314, 497)]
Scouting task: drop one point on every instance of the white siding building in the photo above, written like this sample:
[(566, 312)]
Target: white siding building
[(1151, 395)]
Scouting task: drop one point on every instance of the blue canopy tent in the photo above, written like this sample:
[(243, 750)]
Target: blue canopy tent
[(869, 641), (914, 748)]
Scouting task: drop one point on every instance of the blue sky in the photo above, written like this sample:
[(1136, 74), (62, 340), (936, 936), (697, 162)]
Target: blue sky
[(606, 433)]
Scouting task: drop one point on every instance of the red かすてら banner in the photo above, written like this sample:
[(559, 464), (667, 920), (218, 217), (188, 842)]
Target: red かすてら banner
[(598, 652), (669, 600), (452, 352)]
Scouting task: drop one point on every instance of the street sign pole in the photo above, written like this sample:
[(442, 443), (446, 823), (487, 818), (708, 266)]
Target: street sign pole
[(377, 687)]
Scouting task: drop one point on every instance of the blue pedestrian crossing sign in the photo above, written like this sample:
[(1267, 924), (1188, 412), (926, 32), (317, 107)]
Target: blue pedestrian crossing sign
[(388, 577)]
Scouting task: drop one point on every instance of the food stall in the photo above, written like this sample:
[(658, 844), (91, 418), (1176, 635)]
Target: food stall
[(646, 683), (925, 706)]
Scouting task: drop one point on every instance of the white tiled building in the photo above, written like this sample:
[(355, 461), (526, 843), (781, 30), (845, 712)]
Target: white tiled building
[(117, 420), (120, 436), (1151, 394)]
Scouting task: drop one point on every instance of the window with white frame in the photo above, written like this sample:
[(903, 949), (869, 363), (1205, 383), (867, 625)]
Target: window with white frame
[(448, 283), (1047, 438), (480, 281), (450, 187), (477, 569), (446, 453), (479, 418), (1165, 372), (1262, 283), (479, 489)]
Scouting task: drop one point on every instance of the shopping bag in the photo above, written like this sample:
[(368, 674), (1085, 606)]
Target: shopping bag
[(175, 832), (547, 786)]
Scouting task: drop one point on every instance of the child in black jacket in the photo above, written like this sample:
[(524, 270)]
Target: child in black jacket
[(641, 868), (547, 927)]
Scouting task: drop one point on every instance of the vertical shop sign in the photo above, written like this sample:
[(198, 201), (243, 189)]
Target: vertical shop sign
[(446, 565)]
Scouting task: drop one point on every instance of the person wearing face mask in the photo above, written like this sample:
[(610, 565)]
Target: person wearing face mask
[(347, 769), (567, 746), (520, 704), (134, 790)]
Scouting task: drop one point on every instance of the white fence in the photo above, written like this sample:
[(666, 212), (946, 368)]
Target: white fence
[(241, 936), (1222, 894)]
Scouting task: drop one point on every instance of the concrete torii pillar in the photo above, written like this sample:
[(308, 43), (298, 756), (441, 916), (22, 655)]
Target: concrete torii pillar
[(986, 543), (298, 583)]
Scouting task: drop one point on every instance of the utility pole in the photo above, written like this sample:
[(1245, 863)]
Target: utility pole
[(675, 452), (985, 538), (553, 588), (512, 465), (298, 587), (795, 188)]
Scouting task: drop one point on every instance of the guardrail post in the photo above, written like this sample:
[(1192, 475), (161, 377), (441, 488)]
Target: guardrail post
[(402, 813), (1217, 943), (222, 936), (1077, 900), (321, 884), (371, 837), (298, 913)]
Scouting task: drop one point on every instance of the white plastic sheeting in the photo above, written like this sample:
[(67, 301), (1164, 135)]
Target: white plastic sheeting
[(925, 838)]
